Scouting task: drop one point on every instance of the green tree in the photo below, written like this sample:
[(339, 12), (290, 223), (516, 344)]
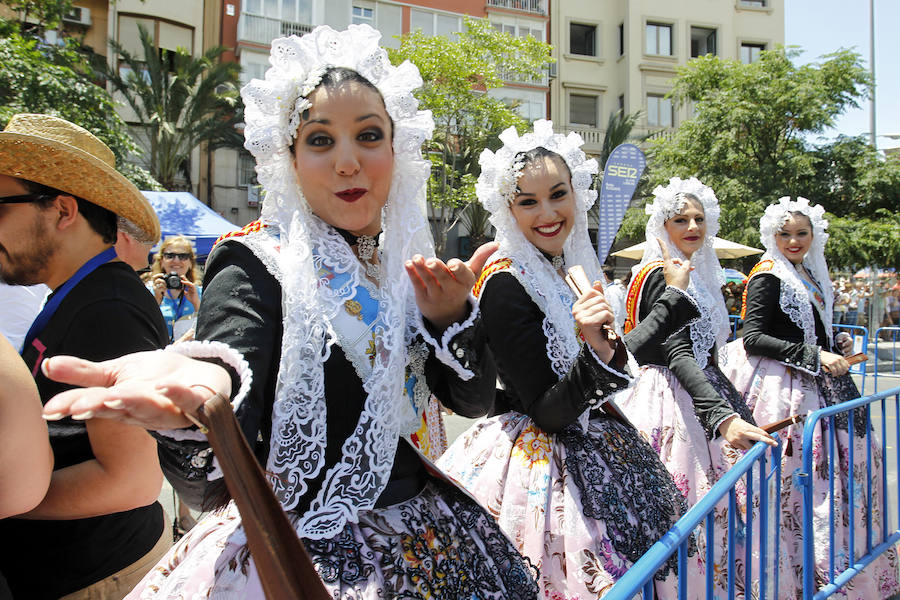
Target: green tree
[(748, 141), (458, 72), (181, 101), (51, 79)]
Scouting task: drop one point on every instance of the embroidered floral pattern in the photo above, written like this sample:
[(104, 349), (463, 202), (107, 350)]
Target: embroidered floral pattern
[(532, 447)]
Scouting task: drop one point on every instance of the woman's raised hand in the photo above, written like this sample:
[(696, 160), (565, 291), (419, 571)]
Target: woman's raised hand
[(442, 289), (833, 364), (742, 435), (592, 313), (191, 292), (677, 272), (150, 389)]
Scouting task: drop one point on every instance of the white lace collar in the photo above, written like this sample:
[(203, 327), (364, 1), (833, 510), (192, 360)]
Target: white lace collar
[(707, 278), (794, 298), (299, 416)]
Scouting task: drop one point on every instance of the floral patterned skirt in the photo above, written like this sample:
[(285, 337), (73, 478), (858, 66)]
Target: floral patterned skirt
[(774, 392), (663, 412), (437, 545), (581, 505)]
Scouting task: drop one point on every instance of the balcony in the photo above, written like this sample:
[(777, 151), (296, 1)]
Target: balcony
[(510, 77), (592, 136), (534, 7), (257, 29)]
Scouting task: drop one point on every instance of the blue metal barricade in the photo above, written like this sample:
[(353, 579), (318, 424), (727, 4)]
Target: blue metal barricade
[(734, 321), (876, 542), (761, 564), (860, 337), (886, 339)]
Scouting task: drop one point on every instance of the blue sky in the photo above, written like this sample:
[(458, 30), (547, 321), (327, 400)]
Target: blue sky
[(823, 26)]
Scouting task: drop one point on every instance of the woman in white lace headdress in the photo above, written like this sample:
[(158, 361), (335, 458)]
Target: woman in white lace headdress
[(790, 363), (573, 484), (682, 404), (347, 331)]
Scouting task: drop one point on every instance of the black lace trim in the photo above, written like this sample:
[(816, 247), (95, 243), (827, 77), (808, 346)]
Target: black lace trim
[(835, 390), (623, 483)]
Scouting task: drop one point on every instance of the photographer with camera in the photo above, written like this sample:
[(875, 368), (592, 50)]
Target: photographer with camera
[(175, 284)]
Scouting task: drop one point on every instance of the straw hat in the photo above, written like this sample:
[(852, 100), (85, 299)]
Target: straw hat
[(59, 154)]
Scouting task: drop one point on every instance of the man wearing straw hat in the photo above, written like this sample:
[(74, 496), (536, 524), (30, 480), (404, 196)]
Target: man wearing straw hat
[(99, 528)]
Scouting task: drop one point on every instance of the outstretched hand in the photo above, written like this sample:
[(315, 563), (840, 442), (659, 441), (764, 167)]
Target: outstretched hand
[(442, 288), (742, 435), (153, 390), (677, 272)]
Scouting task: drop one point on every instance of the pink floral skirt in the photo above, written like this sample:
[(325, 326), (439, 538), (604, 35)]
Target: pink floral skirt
[(437, 545), (663, 413), (582, 505), (774, 392)]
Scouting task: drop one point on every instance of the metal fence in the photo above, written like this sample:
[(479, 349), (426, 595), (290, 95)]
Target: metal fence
[(886, 339), (760, 469), (876, 542)]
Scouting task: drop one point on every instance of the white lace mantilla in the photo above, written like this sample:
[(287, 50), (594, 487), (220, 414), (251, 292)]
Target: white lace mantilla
[(793, 298), (299, 416), (707, 278)]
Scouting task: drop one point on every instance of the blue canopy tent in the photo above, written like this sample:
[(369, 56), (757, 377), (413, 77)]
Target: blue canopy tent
[(180, 213)]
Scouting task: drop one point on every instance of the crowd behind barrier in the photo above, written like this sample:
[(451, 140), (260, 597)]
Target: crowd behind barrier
[(760, 469), (886, 339)]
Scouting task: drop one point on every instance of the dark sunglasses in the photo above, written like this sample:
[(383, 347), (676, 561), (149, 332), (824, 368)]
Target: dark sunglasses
[(25, 198), (178, 255)]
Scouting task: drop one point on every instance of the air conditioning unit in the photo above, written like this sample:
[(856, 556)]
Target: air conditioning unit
[(254, 195), (79, 15)]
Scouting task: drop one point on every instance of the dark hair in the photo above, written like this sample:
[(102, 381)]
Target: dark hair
[(608, 271), (335, 76), (531, 156), (102, 220)]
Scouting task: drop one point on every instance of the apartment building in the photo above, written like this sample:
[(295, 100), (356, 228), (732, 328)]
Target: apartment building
[(622, 54)]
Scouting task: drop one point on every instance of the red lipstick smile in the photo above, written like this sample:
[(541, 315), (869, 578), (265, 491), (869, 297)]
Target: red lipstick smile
[(549, 230), (351, 195)]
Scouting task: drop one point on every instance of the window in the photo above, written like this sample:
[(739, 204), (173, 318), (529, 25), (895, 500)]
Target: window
[(519, 30), (750, 52), (246, 171), (756, 3), (659, 111), (583, 110), (583, 39), (363, 14), (622, 103), (621, 39), (252, 70), (433, 23), (703, 41), (659, 39), (295, 11)]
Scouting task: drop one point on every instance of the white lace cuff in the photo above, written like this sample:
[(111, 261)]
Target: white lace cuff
[(449, 352), (623, 374), (224, 353)]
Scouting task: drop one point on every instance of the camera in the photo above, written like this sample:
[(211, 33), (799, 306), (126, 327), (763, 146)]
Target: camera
[(173, 281)]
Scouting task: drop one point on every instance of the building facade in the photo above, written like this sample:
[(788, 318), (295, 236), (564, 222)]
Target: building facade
[(621, 55)]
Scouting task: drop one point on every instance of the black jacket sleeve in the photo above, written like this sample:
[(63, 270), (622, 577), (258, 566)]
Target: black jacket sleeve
[(673, 311), (678, 353), (761, 335), (471, 397), (514, 326)]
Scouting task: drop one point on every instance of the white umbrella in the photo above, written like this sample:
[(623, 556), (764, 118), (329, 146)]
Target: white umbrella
[(723, 248)]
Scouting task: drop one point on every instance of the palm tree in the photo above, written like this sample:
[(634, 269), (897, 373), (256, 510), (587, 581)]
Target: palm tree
[(618, 130), (180, 101)]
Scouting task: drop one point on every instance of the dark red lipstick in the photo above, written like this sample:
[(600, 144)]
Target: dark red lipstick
[(351, 195)]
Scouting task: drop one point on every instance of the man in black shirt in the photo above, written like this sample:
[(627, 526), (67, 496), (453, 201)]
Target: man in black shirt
[(99, 528)]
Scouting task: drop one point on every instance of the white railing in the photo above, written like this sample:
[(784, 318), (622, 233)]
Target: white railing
[(538, 7), (262, 30), (510, 77), (662, 134), (593, 137)]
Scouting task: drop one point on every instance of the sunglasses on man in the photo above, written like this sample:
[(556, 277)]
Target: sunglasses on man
[(25, 198), (178, 255)]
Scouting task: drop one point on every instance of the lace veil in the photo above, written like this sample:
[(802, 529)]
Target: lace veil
[(496, 188), (707, 278), (794, 299), (297, 447)]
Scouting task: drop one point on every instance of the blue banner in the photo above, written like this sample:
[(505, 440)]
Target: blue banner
[(620, 179)]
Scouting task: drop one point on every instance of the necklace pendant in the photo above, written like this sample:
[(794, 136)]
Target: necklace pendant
[(365, 247)]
